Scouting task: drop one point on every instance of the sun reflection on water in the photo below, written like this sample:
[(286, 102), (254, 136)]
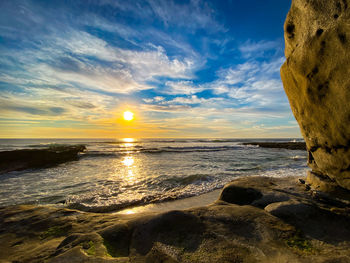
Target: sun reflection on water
[(131, 170), (128, 161)]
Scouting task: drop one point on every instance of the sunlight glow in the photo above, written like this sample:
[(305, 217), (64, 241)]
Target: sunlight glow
[(128, 161), (128, 140), (128, 116), (129, 212)]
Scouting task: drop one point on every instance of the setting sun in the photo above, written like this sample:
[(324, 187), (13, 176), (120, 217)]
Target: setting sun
[(128, 116)]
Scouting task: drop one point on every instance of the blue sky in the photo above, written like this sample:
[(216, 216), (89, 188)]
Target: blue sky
[(185, 68)]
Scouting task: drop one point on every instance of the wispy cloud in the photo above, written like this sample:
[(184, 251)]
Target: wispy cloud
[(251, 49), (255, 84), (191, 15), (196, 14), (180, 87)]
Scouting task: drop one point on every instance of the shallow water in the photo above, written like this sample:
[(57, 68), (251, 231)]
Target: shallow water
[(114, 174)]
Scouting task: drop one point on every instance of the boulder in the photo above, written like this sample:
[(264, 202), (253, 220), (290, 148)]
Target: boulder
[(290, 210), (239, 195), (316, 80)]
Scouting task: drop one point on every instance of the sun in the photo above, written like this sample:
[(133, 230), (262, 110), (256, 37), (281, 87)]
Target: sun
[(128, 115)]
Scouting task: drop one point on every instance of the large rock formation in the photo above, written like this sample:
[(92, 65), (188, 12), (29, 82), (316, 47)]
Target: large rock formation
[(316, 78)]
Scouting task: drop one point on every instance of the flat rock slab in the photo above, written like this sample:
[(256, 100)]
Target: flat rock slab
[(284, 223), (22, 159)]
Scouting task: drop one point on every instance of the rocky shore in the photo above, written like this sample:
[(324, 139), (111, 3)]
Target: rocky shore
[(38, 158), (255, 219)]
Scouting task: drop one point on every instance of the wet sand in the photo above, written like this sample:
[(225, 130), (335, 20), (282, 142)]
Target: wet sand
[(191, 202)]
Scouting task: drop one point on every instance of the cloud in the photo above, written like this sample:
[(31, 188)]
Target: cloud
[(129, 66), (239, 73), (253, 84), (196, 14), (76, 102), (191, 15), (155, 99), (78, 57), (251, 49), (164, 108), (30, 108), (185, 87), (55, 103), (187, 100), (82, 63)]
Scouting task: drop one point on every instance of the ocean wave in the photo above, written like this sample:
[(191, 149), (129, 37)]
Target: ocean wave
[(194, 140), (179, 150), (247, 169), (298, 157), (116, 142), (169, 189), (99, 154), (171, 141), (159, 150), (218, 140), (200, 148), (85, 204), (55, 146), (189, 179)]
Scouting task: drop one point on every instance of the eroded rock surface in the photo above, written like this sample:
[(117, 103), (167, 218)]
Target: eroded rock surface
[(317, 82), (282, 223)]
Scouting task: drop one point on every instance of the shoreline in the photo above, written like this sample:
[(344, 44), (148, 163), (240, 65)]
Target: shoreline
[(178, 204), (254, 219)]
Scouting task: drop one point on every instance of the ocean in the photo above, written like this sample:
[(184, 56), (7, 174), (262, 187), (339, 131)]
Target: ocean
[(115, 174)]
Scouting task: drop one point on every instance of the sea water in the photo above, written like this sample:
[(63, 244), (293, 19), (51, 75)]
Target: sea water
[(115, 174)]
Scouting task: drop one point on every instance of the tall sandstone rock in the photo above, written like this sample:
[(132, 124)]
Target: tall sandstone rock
[(316, 79)]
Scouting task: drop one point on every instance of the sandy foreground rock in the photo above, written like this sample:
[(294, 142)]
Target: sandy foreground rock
[(317, 82), (283, 222)]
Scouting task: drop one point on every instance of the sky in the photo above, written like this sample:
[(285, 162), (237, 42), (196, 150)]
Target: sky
[(200, 69)]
